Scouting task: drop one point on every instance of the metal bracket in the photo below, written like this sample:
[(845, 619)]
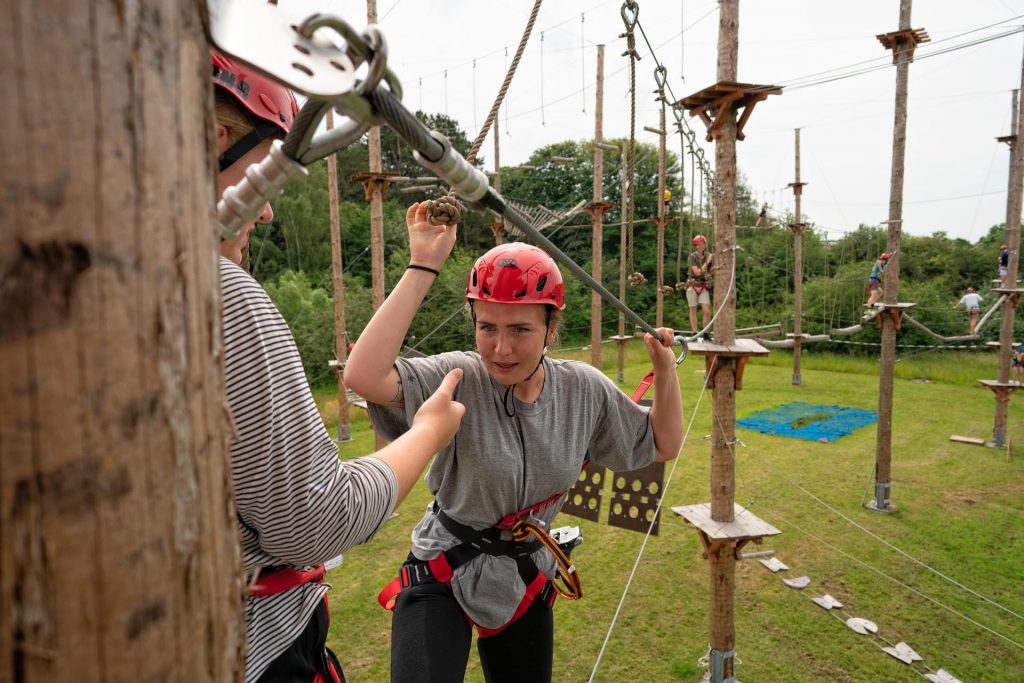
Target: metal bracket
[(266, 38), (722, 665)]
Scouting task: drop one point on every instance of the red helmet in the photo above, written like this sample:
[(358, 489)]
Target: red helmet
[(269, 102), (264, 98), (516, 273), (700, 238), (884, 256)]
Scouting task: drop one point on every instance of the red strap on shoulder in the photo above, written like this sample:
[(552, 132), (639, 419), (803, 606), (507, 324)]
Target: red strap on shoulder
[(285, 579), (642, 388)]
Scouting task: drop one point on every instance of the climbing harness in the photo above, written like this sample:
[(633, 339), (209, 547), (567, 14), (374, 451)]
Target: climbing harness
[(473, 543), (274, 580)]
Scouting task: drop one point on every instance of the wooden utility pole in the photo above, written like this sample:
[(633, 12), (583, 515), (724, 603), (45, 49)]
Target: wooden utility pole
[(376, 197), (119, 555), (723, 526), (1002, 387), (338, 271), (798, 267), (596, 209), (723, 429), (902, 44)]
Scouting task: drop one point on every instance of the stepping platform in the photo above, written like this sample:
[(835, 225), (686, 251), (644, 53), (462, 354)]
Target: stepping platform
[(371, 179), (995, 346), (1001, 387), (911, 36), (712, 102), (1013, 293), (738, 351), (715, 535), (895, 311)]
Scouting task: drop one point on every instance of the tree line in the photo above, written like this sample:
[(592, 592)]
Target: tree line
[(292, 256)]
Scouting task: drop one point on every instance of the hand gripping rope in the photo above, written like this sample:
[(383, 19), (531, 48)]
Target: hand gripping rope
[(333, 65)]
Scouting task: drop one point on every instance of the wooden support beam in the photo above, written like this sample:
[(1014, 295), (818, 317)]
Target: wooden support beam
[(895, 40), (712, 103), (370, 180), (892, 311)]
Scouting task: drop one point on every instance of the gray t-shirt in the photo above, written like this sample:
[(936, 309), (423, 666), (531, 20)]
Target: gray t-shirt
[(498, 465)]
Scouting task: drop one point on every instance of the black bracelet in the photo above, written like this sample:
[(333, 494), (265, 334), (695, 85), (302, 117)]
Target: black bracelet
[(423, 268)]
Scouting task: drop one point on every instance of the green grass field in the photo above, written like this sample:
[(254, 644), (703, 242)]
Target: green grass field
[(960, 510)]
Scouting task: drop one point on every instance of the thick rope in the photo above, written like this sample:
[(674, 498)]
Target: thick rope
[(635, 279), (444, 216)]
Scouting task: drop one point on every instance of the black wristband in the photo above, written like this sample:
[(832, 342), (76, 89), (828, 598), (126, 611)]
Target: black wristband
[(423, 268)]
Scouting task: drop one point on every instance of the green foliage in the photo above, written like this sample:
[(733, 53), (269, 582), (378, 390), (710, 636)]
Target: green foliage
[(934, 269), (309, 312)]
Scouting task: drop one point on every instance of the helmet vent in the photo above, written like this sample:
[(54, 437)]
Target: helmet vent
[(507, 262), (541, 282), (520, 294)]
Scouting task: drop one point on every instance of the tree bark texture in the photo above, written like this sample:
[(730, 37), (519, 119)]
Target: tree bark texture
[(119, 556)]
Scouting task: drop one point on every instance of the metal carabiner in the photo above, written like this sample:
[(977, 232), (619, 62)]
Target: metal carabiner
[(630, 13), (686, 349), (660, 75)]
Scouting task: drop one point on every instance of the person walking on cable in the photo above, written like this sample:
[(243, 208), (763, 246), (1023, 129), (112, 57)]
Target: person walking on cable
[(297, 505), (481, 555), (698, 285), (875, 280), (972, 302)]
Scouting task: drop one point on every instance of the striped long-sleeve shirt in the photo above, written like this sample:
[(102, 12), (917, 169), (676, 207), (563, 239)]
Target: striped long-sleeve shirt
[(298, 504)]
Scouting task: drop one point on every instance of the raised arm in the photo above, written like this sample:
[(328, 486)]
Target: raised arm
[(370, 370), (667, 411)]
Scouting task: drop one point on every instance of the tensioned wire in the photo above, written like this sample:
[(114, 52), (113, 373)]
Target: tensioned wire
[(777, 472), (664, 492)]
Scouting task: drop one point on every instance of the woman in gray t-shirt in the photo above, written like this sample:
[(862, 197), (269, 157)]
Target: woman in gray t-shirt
[(530, 424)]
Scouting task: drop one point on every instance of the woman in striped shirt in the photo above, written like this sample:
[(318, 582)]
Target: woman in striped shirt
[(297, 503)]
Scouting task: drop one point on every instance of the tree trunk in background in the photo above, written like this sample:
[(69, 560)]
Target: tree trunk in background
[(118, 549)]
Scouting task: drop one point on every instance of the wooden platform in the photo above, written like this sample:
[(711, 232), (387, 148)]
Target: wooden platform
[(745, 524), (711, 102), (739, 347), (911, 36), (1001, 387), (1013, 293)]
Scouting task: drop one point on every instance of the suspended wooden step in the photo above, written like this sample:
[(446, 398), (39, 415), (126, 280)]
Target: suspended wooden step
[(711, 102)]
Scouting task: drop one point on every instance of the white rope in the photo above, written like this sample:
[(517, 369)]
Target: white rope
[(647, 536), (901, 584), (887, 543)]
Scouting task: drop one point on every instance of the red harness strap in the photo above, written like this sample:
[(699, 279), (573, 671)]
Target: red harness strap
[(284, 579), (642, 388)]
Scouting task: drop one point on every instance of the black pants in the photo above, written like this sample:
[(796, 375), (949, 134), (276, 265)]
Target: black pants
[(307, 660), (430, 638)]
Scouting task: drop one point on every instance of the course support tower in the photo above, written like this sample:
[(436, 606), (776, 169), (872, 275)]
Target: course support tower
[(902, 44), (596, 209), (723, 528), (798, 267), (1002, 387), (338, 279)]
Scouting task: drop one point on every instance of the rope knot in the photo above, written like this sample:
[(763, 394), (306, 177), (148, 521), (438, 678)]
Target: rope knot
[(444, 211), (637, 279)]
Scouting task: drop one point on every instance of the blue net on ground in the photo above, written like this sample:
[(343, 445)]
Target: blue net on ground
[(807, 421)]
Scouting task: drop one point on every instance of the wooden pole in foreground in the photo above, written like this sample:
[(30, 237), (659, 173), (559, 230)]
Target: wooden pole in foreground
[(119, 555), (798, 267), (723, 429), (376, 211), (883, 443), (337, 270), (1013, 212), (597, 215)]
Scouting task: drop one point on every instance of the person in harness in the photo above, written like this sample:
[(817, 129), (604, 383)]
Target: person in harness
[(972, 302), (482, 556), (698, 286), (874, 286), (296, 503)]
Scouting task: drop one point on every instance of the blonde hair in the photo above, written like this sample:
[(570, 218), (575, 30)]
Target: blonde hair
[(231, 116)]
